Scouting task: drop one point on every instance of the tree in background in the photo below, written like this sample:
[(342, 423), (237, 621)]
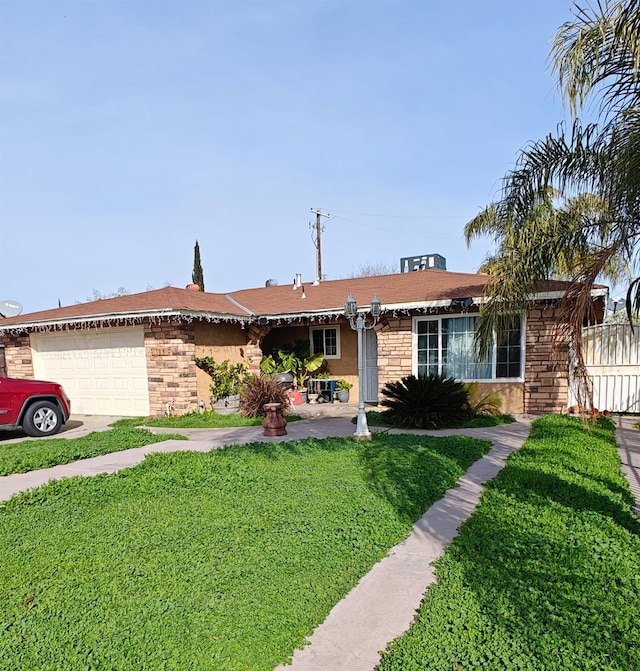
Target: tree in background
[(100, 295), (570, 209), (374, 269), (197, 277)]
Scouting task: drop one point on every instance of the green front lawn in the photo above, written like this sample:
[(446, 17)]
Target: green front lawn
[(545, 575), (223, 560), (29, 455)]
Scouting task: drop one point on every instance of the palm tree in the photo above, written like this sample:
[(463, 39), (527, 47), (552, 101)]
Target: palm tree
[(570, 209)]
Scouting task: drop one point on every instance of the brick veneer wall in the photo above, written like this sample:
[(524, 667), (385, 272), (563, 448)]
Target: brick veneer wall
[(546, 366), (394, 349), (18, 356), (253, 352), (170, 349)]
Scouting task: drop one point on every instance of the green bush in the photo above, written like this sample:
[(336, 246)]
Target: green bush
[(426, 402), (227, 379)]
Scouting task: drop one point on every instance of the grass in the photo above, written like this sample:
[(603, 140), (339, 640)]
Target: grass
[(544, 575), (223, 560), (29, 455), (376, 418), (198, 420)]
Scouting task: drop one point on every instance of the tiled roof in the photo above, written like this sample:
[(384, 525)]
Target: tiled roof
[(398, 289), (401, 290)]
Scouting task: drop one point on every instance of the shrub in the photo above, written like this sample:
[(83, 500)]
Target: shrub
[(480, 403), (429, 402), (227, 378), (258, 391)]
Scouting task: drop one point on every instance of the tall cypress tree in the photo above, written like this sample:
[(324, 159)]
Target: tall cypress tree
[(197, 277)]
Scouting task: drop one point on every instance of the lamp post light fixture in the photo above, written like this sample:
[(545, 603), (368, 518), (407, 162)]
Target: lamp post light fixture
[(358, 322)]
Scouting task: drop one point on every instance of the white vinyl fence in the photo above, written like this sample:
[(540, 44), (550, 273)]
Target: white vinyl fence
[(612, 357)]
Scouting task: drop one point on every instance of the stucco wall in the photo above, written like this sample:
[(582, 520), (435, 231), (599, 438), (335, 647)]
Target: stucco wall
[(220, 341), (511, 393)]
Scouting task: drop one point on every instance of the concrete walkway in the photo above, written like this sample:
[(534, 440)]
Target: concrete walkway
[(381, 607), (628, 439)]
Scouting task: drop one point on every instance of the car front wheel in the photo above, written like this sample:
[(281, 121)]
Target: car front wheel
[(42, 419)]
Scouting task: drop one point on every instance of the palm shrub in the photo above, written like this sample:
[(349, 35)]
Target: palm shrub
[(426, 402), (258, 391), (481, 403)]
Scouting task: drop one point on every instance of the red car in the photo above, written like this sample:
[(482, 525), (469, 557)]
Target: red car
[(40, 408)]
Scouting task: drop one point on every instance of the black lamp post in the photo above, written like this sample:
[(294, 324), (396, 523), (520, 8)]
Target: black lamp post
[(358, 322)]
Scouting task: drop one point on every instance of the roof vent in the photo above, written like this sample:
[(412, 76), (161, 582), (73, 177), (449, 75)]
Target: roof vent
[(192, 287), (271, 283)]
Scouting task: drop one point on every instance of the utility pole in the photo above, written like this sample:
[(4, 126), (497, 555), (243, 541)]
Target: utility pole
[(317, 240)]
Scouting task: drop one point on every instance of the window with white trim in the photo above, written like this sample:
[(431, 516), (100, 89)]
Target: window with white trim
[(446, 346), (325, 340)]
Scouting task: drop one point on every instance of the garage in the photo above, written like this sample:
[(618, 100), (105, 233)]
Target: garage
[(103, 371)]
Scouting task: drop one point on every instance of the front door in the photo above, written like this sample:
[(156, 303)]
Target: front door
[(370, 366)]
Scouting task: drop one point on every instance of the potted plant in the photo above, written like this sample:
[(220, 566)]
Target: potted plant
[(295, 359), (275, 370), (342, 390), (227, 380)]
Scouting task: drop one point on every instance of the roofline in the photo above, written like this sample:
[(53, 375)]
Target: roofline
[(139, 315), (135, 316), (419, 305)]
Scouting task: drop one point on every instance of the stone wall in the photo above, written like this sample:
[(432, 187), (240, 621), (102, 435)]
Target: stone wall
[(394, 349), (546, 366), (18, 357), (170, 349)]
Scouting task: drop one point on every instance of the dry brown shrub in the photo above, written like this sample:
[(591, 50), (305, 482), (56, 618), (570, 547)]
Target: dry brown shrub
[(261, 390)]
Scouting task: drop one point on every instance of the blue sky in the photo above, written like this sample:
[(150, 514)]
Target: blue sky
[(131, 128)]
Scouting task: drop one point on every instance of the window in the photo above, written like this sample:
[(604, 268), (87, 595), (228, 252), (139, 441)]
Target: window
[(326, 340), (509, 352), (446, 345)]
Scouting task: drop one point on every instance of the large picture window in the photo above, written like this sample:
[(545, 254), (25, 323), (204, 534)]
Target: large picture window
[(326, 340), (446, 346)]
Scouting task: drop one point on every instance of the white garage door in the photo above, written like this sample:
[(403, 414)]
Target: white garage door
[(104, 372)]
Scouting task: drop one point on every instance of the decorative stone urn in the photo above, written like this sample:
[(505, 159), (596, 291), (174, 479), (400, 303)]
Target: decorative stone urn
[(274, 423)]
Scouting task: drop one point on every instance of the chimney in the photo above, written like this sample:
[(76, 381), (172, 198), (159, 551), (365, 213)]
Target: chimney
[(297, 282)]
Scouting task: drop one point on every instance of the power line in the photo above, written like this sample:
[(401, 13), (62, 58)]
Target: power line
[(395, 232), (403, 216)]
